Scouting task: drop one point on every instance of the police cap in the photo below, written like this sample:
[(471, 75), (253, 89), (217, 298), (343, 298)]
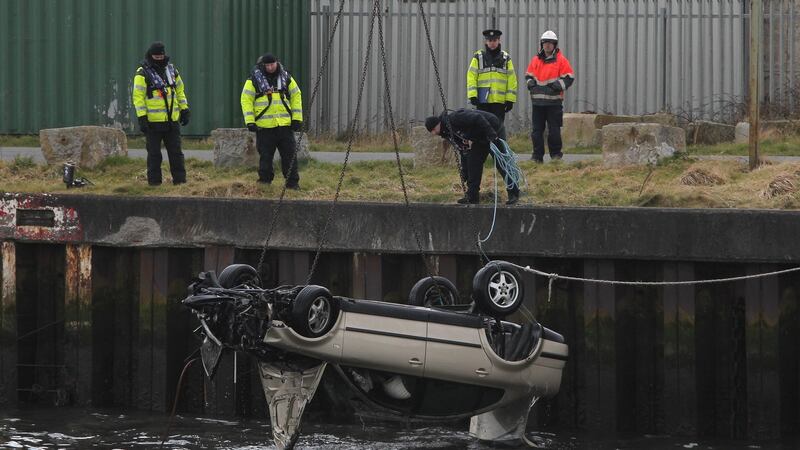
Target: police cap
[(492, 34)]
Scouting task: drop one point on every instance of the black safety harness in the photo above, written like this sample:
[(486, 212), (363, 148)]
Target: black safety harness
[(263, 87), (155, 82)]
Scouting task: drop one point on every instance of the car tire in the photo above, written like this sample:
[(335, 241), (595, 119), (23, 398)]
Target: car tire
[(314, 311), (238, 274), (433, 291), (497, 288)]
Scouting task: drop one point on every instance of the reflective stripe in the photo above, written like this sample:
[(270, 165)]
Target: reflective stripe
[(485, 82), (563, 85), (511, 92), (294, 91), (140, 88), (543, 82), (248, 92), (276, 116), (568, 75), (545, 97), (297, 111), (493, 69), (262, 102), (156, 111), (472, 69), (182, 102), (141, 108), (472, 89), (249, 114)]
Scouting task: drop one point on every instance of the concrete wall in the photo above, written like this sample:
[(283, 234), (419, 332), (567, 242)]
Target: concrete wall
[(707, 360)]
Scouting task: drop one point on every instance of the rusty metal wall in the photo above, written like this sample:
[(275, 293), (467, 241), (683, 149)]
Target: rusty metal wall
[(71, 62), (630, 56)]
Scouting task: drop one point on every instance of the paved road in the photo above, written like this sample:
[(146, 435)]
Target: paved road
[(9, 153)]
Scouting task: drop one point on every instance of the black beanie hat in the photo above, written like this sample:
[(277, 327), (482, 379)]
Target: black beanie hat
[(266, 58), (431, 122), (156, 48)]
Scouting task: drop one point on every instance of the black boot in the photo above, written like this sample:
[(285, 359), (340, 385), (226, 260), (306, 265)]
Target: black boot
[(467, 200), (513, 198)]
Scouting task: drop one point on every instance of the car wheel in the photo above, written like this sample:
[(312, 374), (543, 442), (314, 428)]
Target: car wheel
[(314, 311), (497, 288), (238, 274), (433, 291)]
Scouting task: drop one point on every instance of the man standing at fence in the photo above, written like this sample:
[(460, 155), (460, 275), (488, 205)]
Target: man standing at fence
[(549, 74), (160, 102), (273, 109), (491, 80)]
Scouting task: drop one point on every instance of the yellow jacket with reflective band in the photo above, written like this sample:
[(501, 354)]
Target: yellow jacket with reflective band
[(154, 107), (501, 81), (276, 115)]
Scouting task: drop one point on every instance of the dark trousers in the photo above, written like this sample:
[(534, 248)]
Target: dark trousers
[(477, 157), (267, 140), (171, 137), (552, 116), (499, 110)]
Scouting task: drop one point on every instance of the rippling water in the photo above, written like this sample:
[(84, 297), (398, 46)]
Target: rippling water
[(81, 428)]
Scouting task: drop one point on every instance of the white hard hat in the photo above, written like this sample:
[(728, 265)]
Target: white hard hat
[(549, 36)]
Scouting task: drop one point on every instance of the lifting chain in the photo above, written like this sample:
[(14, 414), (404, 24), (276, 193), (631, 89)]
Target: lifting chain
[(277, 207)]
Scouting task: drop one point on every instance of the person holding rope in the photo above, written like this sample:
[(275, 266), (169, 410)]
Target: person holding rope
[(273, 109), (474, 131), (160, 102)]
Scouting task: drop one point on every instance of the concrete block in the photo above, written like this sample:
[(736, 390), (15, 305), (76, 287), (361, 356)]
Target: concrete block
[(87, 146), (430, 150), (236, 147), (709, 133), (602, 120), (662, 118), (579, 131), (742, 133), (640, 143)]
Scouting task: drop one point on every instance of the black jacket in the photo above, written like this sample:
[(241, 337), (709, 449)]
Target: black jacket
[(470, 124)]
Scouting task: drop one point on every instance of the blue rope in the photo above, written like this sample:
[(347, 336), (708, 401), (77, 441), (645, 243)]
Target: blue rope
[(507, 160)]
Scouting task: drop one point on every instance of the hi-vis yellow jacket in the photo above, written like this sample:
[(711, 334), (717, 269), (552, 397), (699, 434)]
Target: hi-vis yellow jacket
[(281, 107), (152, 103), (497, 76)]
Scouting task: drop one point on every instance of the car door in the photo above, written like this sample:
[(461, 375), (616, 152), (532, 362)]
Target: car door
[(384, 343), (455, 353)]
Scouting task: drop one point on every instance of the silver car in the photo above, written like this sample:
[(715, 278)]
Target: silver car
[(422, 360)]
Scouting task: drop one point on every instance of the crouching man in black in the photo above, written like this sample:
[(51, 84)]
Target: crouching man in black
[(471, 131)]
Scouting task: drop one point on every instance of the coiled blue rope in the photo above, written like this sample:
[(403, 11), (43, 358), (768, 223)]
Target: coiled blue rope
[(507, 160)]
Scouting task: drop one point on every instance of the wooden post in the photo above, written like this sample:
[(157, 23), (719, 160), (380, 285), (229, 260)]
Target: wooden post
[(151, 379), (78, 322), (367, 276), (756, 25), (8, 327), (680, 393)]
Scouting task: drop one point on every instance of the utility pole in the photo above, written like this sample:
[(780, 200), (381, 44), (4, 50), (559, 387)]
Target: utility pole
[(756, 25)]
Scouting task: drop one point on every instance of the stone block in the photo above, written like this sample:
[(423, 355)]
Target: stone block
[(640, 143), (430, 150), (87, 146), (742, 133), (709, 133), (602, 120), (662, 118), (236, 147), (579, 130)]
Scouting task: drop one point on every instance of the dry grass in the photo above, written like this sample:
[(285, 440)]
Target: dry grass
[(723, 184)]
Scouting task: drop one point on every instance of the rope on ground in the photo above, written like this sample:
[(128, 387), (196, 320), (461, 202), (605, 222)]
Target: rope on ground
[(507, 161), (554, 276)]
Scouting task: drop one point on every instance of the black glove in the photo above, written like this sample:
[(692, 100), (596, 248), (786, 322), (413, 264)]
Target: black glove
[(252, 127), (531, 83), (297, 125), (185, 114), (474, 101), (144, 125), (509, 106)]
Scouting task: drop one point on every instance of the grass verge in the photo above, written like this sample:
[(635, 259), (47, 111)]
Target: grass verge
[(678, 182)]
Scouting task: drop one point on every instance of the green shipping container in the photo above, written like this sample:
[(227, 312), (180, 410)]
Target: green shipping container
[(71, 62)]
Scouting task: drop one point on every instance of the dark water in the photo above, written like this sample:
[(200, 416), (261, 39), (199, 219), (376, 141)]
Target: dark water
[(82, 428)]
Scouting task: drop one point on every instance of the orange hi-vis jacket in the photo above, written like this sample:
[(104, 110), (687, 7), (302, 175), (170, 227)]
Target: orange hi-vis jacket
[(548, 78)]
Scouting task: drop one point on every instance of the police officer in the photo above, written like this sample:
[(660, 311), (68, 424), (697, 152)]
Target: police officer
[(160, 101), (273, 109), (473, 131), (491, 80), (549, 74)]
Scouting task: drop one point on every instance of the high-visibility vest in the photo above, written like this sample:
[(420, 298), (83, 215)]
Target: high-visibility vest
[(150, 102), (545, 71), (281, 107), (501, 82)]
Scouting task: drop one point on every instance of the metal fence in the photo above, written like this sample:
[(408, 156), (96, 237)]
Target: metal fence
[(629, 56)]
